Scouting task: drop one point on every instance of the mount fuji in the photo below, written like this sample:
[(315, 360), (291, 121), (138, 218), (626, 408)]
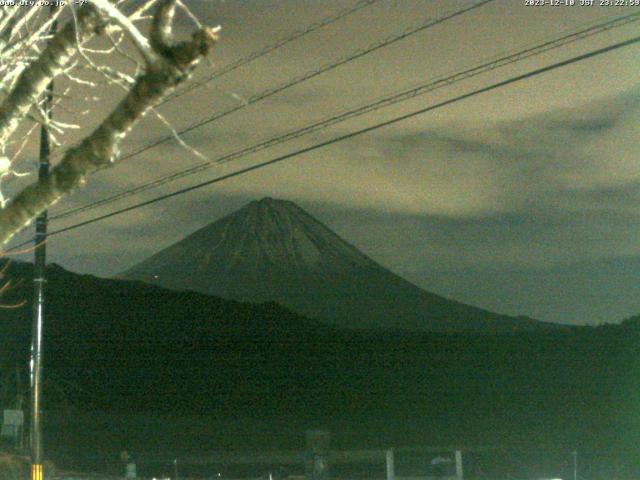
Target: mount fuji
[(273, 250)]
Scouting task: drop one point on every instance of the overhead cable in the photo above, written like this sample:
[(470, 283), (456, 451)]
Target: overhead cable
[(347, 136), (407, 94)]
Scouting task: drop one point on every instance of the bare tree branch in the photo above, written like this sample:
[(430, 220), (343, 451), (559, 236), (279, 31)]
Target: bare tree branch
[(5, 286), (34, 79), (127, 25), (172, 65)]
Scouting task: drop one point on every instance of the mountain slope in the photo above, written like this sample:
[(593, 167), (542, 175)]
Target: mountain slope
[(272, 250)]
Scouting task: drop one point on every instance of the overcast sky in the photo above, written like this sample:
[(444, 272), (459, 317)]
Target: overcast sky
[(524, 200)]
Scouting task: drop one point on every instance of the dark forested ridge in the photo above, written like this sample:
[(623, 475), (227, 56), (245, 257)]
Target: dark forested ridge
[(125, 349)]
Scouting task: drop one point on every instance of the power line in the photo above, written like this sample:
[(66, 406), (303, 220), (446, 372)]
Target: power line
[(384, 102), (314, 73), (340, 138), (270, 48)]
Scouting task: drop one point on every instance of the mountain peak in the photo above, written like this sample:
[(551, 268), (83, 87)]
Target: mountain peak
[(273, 250), (267, 235), (271, 201), (271, 204)]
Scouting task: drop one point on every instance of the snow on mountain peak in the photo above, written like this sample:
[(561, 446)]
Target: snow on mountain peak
[(283, 232)]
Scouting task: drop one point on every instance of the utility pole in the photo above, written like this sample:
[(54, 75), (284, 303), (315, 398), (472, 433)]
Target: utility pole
[(575, 464), (391, 472), (39, 280)]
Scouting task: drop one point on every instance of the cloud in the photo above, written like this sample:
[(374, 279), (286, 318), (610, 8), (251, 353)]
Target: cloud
[(465, 171), (518, 193), (523, 194)]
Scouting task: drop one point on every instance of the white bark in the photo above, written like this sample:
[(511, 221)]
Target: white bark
[(167, 66), (127, 25), (51, 62)]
